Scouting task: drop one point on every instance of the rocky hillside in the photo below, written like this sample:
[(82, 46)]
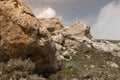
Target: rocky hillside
[(32, 48)]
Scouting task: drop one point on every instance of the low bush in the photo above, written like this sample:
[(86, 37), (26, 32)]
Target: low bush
[(17, 69)]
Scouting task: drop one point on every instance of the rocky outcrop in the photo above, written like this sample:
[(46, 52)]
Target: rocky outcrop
[(22, 36), (78, 53), (52, 24), (68, 39), (78, 30)]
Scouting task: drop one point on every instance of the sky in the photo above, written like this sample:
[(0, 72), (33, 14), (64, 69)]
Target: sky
[(103, 16)]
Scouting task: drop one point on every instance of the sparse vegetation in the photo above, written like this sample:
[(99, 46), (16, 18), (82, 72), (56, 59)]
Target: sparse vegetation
[(89, 64), (17, 69)]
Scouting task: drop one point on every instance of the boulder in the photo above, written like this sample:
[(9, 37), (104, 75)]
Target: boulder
[(58, 47), (52, 24), (77, 31), (22, 36), (58, 38), (71, 43)]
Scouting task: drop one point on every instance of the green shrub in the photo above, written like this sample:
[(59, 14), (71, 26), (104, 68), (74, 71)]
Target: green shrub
[(17, 69)]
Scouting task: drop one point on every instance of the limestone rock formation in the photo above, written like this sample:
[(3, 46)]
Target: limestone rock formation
[(76, 40), (22, 36), (78, 30), (52, 24), (68, 39)]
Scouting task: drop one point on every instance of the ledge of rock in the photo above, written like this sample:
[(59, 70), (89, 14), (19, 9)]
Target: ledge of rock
[(22, 36)]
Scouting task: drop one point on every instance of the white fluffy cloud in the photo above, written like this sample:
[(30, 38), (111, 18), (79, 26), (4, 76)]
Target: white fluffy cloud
[(108, 22), (45, 12)]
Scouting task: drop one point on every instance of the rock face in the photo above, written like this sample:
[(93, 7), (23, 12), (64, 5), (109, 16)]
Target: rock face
[(78, 30), (22, 36), (52, 24), (67, 40)]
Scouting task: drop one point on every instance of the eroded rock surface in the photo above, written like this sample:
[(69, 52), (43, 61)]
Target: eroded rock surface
[(22, 36), (52, 24), (68, 39)]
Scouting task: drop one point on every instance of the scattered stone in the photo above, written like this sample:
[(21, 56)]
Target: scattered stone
[(64, 48), (71, 65), (116, 53), (107, 47), (58, 38), (119, 44), (58, 47), (60, 57), (92, 66), (71, 43), (74, 79), (88, 56), (65, 53), (113, 64), (89, 46)]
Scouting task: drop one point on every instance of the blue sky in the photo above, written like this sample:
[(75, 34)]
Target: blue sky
[(94, 12)]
